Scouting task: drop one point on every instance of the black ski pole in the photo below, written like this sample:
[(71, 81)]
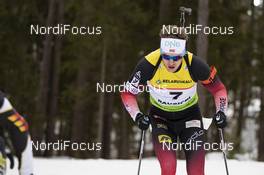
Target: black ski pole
[(142, 143), (221, 135)]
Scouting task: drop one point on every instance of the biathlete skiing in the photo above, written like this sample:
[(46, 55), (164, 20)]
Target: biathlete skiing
[(171, 74), (17, 128)]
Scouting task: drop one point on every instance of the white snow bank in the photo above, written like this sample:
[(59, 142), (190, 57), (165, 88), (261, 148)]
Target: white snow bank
[(66, 166)]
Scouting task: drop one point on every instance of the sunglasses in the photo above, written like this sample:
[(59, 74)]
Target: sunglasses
[(170, 57)]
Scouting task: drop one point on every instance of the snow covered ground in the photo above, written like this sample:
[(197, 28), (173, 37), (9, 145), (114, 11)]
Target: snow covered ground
[(66, 166)]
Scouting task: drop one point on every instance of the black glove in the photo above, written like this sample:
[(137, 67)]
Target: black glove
[(142, 121), (220, 119)]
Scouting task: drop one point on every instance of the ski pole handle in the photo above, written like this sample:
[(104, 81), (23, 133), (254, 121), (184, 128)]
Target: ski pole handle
[(186, 10)]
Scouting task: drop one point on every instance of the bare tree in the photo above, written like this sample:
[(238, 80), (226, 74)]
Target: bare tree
[(202, 45), (123, 145), (54, 83), (79, 111), (261, 113), (261, 128), (101, 97), (107, 126), (45, 66), (164, 11)]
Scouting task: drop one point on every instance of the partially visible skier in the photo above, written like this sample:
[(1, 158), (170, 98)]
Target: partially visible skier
[(17, 128), (171, 74)]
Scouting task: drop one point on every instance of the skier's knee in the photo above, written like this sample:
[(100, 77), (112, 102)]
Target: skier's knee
[(2, 156), (26, 159), (168, 168)]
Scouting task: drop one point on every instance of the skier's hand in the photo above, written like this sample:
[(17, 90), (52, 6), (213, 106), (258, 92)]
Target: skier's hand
[(220, 119), (142, 121)]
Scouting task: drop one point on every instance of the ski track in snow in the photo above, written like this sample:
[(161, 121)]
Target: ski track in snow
[(150, 166)]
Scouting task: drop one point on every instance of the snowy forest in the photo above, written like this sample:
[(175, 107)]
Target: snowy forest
[(52, 80)]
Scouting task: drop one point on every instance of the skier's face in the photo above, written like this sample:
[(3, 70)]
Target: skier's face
[(172, 65), (172, 50)]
